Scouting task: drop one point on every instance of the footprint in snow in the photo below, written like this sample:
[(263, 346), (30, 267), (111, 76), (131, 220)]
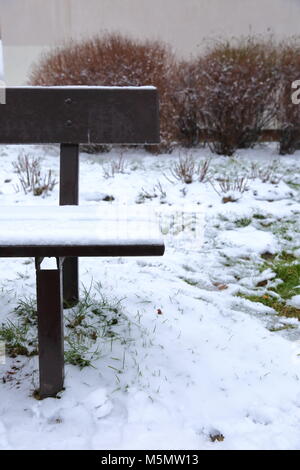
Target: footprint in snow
[(98, 403)]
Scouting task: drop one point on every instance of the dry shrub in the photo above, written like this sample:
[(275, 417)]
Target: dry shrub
[(184, 169), (114, 166), (114, 60), (187, 171), (31, 177), (266, 173), (187, 103), (230, 188), (230, 93), (289, 113), (157, 192)]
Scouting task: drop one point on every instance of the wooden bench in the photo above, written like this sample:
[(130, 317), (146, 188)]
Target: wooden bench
[(71, 116)]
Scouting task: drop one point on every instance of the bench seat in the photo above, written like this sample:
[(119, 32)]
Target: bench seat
[(67, 231)]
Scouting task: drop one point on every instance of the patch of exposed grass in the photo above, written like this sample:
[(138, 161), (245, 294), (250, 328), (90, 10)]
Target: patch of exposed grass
[(27, 311), (16, 338), (289, 274), (79, 352), (287, 271), (243, 222), (287, 257), (284, 227), (292, 185), (259, 216), (190, 282), (276, 304), (287, 326), (94, 321)]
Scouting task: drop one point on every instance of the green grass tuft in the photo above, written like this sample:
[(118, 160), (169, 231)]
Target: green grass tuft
[(95, 320), (259, 216), (243, 222), (289, 274), (275, 329), (79, 352), (16, 339), (27, 310), (278, 305)]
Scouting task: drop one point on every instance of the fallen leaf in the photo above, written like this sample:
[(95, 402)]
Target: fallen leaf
[(220, 286), (262, 283)]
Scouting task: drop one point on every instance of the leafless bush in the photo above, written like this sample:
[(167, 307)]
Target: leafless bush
[(232, 93), (288, 113), (202, 171), (157, 192), (114, 60), (187, 103), (183, 170), (116, 165), (187, 171), (230, 188), (31, 178), (267, 173)]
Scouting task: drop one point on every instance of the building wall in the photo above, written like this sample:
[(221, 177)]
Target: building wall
[(31, 26)]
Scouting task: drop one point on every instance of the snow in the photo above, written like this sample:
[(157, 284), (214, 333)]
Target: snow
[(294, 301), (67, 225), (250, 240), (211, 362)]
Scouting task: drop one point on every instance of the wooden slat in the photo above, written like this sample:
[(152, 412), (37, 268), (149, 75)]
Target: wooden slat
[(82, 115), (143, 249)]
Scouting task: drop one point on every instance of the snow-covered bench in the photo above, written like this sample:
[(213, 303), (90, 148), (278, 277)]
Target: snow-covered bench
[(70, 116)]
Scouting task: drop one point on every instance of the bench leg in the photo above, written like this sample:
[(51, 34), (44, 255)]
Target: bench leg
[(68, 195), (50, 329), (70, 282)]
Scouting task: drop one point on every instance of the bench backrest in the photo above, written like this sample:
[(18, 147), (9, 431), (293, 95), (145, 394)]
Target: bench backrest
[(80, 115), (73, 115)]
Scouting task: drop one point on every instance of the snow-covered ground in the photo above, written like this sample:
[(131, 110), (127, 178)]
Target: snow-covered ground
[(184, 362)]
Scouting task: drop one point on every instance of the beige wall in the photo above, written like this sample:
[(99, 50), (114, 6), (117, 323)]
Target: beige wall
[(29, 26)]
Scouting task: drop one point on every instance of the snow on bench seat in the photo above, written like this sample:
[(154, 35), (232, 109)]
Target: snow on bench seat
[(79, 231)]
